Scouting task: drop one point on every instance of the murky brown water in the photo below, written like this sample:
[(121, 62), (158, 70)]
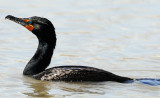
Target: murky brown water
[(121, 36)]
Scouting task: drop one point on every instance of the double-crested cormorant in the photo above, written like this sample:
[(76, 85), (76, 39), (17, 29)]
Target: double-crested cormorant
[(36, 67)]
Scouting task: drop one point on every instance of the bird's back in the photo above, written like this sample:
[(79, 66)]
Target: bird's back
[(78, 73)]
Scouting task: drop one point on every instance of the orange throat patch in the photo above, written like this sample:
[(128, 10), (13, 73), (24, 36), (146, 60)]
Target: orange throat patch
[(29, 27)]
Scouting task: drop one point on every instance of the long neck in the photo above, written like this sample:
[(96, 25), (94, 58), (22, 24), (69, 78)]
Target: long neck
[(41, 59)]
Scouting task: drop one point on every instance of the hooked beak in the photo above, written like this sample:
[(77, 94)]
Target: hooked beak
[(22, 21)]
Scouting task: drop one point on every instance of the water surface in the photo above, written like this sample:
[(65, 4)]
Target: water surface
[(121, 36)]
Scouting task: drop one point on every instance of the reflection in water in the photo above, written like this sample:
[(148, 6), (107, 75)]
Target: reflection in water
[(85, 87), (39, 88), (43, 88), (49, 89)]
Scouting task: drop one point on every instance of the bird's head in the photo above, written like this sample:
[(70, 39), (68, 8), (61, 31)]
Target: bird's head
[(39, 26)]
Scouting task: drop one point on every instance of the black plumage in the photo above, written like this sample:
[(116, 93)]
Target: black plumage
[(36, 67)]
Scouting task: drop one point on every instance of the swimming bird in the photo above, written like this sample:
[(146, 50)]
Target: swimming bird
[(44, 30)]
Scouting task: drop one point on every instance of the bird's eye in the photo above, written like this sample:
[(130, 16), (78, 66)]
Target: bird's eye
[(30, 22)]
